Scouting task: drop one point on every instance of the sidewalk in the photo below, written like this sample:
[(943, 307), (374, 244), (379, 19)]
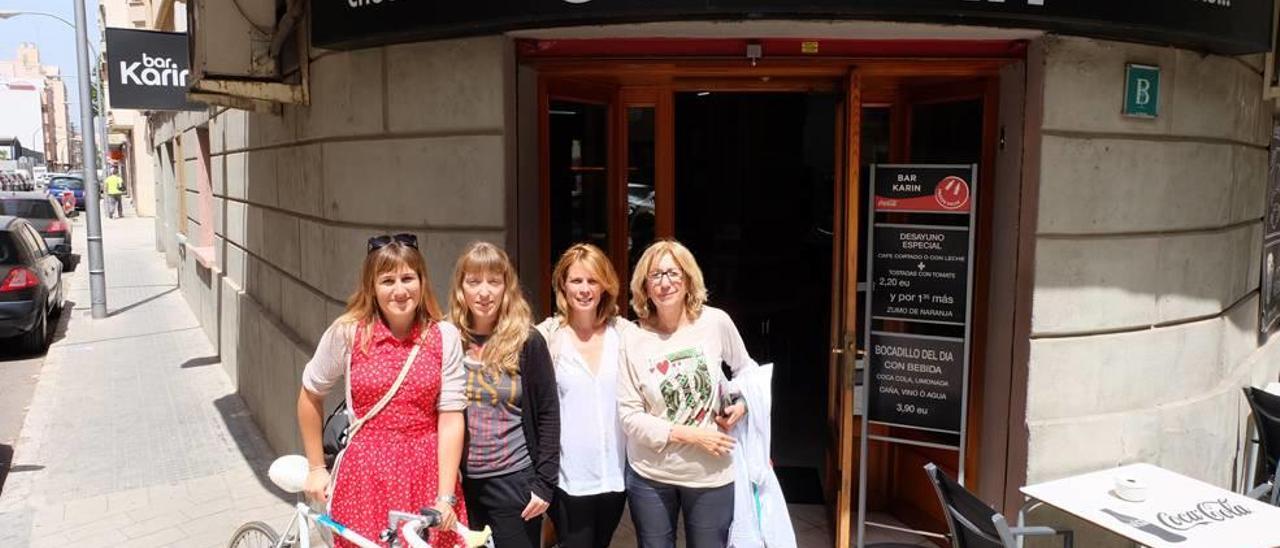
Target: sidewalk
[(135, 436)]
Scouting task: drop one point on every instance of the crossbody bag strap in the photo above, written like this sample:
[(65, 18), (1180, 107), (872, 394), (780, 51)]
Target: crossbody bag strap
[(386, 398)]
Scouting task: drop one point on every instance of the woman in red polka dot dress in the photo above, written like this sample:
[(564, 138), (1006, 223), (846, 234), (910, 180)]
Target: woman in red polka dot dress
[(407, 455)]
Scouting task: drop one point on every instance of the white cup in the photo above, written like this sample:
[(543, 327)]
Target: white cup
[(1131, 489)]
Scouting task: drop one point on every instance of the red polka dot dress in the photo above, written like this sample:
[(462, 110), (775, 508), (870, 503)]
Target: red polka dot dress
[(392, 462)]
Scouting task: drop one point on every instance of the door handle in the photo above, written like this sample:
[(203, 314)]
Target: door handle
[(837, 350)]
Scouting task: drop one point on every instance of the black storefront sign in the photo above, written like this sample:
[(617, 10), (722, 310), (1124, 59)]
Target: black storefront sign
[(918, 380), (920, 268), (922, 273), (147, 70), (1220, 26)]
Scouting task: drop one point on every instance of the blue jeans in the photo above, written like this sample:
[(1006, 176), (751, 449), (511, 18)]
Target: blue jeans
[(655, 507)]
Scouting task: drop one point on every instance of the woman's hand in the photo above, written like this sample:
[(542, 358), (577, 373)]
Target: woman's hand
[(731, 415), (535, 508), (317, 485), (712, 441), (448, 519)]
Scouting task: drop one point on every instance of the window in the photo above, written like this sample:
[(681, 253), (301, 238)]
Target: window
[(73, 183), (202, 241), (34, 242), (28, 208), (8, 249)]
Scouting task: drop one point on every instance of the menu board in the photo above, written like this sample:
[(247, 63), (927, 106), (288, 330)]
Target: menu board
[(1269, 308), (920, 268), (918, 380), (922, 273)]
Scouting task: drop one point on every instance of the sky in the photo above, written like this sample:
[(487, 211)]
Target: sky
[(55, 39)]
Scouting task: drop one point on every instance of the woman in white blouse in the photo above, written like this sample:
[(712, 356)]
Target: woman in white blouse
[(585, 342)]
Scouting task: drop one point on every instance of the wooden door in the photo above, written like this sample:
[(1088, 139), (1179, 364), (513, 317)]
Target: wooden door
[(938, 122), (840, 486), (582, 192)]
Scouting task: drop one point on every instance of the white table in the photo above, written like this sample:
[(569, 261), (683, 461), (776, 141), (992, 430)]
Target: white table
[(1178, 511)]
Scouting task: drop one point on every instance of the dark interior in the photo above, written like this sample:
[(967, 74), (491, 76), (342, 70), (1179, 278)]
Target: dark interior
[(754, 184)]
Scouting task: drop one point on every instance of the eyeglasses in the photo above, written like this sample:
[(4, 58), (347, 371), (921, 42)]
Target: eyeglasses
[(674, 276), (379, 242)]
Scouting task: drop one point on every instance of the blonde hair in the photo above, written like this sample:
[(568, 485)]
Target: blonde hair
[(362, 305), (502, 351), (695, 288), (595, 261)]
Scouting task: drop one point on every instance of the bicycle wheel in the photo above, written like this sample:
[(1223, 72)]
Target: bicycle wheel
[(254, 534)]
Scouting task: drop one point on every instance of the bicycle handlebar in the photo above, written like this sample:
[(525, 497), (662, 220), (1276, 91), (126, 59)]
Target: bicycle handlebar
[(410, 532)]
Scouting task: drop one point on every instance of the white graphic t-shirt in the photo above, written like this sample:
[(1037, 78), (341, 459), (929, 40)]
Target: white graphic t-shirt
[(675, 380)]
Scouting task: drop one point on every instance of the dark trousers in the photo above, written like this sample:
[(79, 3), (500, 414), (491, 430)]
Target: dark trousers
[(655, 507), (498, 502), (588, 521)]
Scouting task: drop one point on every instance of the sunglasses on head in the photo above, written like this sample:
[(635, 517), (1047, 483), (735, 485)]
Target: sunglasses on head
[(379, 242)]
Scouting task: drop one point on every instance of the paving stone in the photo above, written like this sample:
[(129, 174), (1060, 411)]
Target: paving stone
[(167, 520), (139, 431), (164, 537)]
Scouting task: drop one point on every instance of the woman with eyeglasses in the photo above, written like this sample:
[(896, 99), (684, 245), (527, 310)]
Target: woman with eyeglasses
[(674, 409), (585, 337), (512, 454), (392, 346)]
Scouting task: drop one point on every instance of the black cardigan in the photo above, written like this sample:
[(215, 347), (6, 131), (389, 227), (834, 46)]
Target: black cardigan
[(539, 415)]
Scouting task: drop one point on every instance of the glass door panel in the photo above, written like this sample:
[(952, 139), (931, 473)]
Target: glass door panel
[(641, 181), (579, 175)]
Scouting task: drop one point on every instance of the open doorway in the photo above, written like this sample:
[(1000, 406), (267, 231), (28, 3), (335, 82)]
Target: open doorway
[(764, 176), (754, 176)]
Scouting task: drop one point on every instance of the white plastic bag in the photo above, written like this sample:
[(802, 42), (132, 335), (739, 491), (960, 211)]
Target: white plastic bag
[(760, 516)]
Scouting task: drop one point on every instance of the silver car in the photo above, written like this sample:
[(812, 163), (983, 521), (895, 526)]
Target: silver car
[(45, 215)]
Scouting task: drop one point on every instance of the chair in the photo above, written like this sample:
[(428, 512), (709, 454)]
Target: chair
[(973, 524), (1266, 418)]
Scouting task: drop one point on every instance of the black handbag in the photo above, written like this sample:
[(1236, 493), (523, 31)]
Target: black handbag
[(335, 433)]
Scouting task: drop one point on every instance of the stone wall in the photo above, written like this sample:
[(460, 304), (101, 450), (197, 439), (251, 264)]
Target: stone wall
[(1145, 305), (410, 138)]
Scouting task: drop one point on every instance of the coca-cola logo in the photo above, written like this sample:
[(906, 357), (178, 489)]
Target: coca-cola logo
[(1204, 513), (952, 193)]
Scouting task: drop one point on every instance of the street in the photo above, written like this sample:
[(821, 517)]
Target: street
[(128, 432)]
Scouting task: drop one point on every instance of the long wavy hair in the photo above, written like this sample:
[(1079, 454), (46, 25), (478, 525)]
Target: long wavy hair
[(362, 305), (501, 353), (597, 263)]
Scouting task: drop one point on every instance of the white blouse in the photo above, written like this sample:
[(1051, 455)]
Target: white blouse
[(592, 445)]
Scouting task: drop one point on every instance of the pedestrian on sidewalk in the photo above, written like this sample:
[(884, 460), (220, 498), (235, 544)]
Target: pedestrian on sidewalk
[(513, 416), (586, 346), (115, 194), (390, 343)]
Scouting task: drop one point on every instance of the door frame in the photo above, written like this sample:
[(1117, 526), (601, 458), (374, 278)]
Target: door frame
[(653, 82)]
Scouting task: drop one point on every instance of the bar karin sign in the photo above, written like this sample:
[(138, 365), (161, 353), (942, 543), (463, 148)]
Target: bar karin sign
[(148, 70)]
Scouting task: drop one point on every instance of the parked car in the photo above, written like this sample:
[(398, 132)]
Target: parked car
[(74, 183), (14, 180), (45, 214), (30, 284)]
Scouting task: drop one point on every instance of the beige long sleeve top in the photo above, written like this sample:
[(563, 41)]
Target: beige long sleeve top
[(669, 380)]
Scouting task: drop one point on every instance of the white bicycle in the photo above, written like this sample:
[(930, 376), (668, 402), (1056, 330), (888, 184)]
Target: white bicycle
[(404, 529)]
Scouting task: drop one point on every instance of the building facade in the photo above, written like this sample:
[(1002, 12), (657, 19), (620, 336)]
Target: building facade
[(55, 130), (1115, 263)]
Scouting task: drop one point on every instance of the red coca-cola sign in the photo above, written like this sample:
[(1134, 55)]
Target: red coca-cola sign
[(922, 190)]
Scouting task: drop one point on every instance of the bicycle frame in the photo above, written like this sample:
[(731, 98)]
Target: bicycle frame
[(304, 516)]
